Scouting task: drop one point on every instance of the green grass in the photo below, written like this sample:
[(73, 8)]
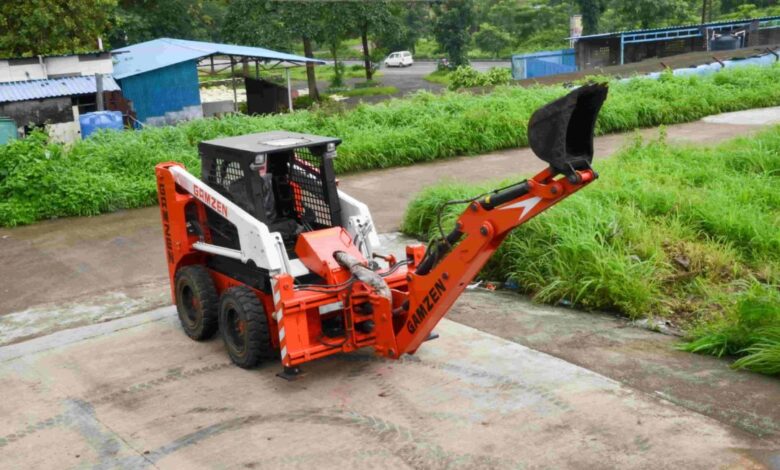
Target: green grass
[(690, 234), (442, 77), (115, 170), (370, 91), (327, 72), (323, 72)]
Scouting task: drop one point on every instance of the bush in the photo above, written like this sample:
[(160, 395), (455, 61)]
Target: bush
[(396, 132), (468, 77), (676, 232), (303, 102)]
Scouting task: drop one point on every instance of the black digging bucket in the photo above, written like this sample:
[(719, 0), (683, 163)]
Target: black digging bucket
[(561, 132)]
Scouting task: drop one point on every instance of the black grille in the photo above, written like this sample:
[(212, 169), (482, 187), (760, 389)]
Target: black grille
[(222, 174), (310, 201)]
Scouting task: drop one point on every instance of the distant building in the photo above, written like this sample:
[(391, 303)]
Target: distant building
[(160, 77), (53, 91), (623, 47), (543, 63)]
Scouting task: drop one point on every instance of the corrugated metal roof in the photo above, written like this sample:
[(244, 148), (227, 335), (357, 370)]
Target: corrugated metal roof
[(159, 53), (67, 54), (49, 88), (672, 28)]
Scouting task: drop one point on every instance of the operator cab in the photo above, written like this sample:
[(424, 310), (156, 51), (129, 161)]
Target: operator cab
[(283, 179)]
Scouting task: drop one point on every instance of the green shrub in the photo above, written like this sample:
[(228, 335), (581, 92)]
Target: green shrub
[(467, 77), (303, 102)]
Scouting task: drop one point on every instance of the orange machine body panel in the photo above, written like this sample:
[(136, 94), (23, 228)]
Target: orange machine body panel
[(296, 314)]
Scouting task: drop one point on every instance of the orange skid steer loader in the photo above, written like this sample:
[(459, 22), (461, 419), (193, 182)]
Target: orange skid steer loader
[(265, 249)]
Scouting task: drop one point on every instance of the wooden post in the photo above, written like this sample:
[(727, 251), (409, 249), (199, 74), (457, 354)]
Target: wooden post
[(289, 89), (99, 91), (233, 81)]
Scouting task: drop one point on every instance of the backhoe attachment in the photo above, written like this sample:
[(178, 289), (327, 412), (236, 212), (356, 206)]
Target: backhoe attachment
[(561, 134)]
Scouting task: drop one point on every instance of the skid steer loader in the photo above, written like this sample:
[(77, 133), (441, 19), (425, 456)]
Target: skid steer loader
[(265, 248)]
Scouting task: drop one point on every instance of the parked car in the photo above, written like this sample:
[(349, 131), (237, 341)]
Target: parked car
[(399, 59)]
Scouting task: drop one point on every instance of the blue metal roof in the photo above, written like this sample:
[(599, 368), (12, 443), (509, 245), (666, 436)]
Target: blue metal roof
[(159, 53), (52, 87), (672, 28)]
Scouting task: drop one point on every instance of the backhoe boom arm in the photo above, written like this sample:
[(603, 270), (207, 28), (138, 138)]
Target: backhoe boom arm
[(482, 228)]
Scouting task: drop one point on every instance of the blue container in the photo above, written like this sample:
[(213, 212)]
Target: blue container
[(7, 130), (91, 122)]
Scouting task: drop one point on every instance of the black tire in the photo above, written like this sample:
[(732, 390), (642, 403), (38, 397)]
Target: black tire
[(197, 302), (244, 327)]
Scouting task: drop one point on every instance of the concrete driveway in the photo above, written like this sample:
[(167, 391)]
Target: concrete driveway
[(137, 393), (134, 392)]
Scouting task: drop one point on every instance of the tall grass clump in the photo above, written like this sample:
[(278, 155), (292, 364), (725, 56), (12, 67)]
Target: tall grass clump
[(110, 171), (690, 234)]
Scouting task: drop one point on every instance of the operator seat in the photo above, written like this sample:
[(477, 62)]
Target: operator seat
[(286, 226)]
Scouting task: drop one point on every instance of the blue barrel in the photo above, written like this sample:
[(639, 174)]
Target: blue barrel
[(7, 130), (91, 122)]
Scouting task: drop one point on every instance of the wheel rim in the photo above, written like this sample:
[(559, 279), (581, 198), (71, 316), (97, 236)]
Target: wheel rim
[(236, 329), (190, 304)]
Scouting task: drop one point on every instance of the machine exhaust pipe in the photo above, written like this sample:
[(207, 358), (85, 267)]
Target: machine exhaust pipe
[(561, 132)]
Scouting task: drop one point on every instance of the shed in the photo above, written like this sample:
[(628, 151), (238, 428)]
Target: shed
[(56, 102), (623, 47), (160, 77)]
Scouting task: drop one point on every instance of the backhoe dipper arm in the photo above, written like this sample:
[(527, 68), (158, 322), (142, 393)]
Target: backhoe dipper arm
[(561, 134)]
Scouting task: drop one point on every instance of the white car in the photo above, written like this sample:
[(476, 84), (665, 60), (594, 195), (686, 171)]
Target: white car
[(399, 59)]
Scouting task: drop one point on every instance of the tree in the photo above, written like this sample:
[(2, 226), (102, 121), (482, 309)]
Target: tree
[(268, 22), (591, 10), (454, 20), (491, 39), (338, 21), (407, 23), (655, 13), (257, 23), (143, 20), (38, 27), (372, 17)]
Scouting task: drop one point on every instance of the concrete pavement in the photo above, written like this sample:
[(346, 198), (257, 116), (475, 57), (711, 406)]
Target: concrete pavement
[(137, 393)]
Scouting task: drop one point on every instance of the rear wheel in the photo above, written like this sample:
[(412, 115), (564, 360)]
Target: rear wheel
[(244, 327), (196, 302)]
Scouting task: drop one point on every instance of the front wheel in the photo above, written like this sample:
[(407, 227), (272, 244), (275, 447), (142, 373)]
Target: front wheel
[(244, 327), (196, 302)]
